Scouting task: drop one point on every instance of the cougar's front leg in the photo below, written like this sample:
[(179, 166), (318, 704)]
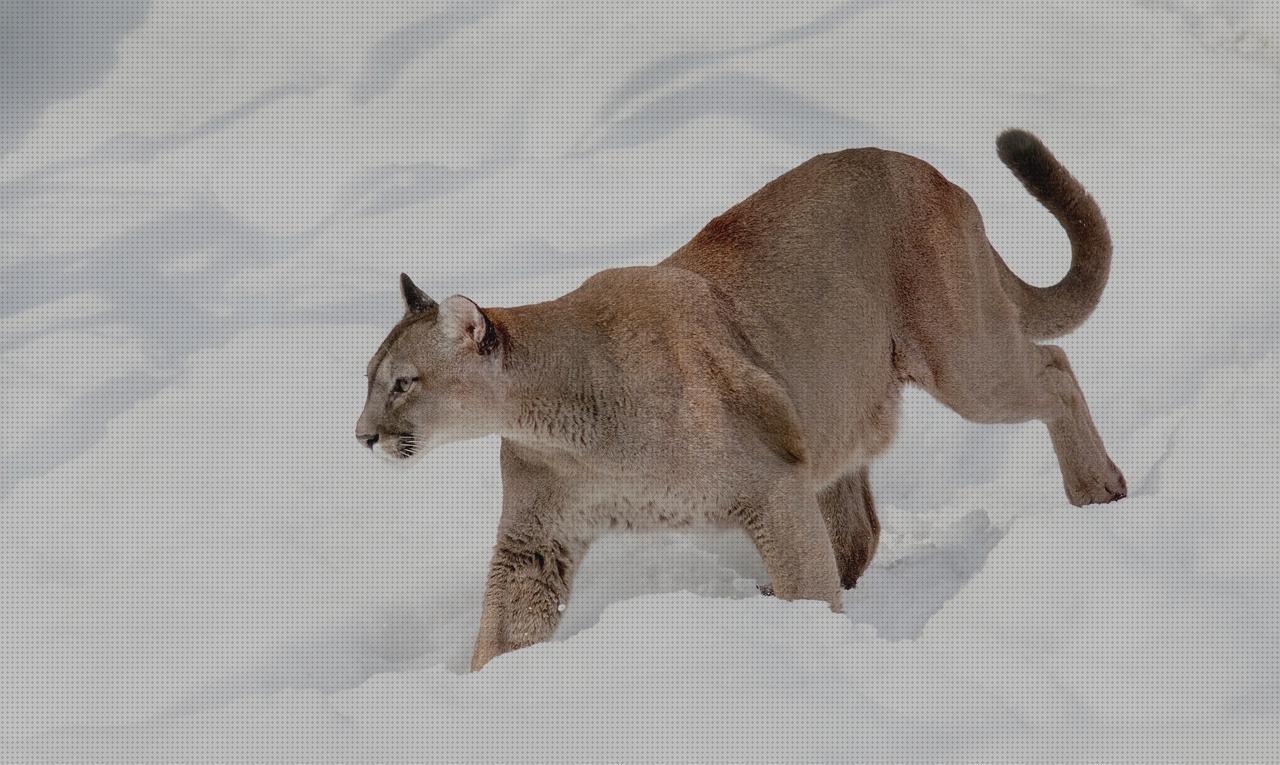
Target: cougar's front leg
[(850, 513), (787, 527), (528, 589), (534, 559)]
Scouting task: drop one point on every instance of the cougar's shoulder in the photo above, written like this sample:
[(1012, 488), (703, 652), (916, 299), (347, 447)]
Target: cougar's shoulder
[(683, 334)]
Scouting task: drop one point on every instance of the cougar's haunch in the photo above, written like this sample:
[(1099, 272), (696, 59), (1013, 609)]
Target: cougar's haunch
[(749, 379)]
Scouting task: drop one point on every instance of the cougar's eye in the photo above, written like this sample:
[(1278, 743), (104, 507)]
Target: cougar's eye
[(402, 384)]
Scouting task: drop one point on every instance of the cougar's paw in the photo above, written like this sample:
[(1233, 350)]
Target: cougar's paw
[(1098, 488)]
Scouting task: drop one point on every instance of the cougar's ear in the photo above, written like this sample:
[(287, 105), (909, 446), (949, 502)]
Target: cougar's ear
[(415, 300), (468, 323)]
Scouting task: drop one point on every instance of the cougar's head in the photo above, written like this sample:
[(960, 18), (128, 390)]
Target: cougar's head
[(435, 379)]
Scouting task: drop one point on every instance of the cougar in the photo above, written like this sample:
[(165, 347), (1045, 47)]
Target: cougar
[(748, 379)]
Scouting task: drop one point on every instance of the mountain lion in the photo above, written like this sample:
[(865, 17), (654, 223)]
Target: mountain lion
[(749, 379)]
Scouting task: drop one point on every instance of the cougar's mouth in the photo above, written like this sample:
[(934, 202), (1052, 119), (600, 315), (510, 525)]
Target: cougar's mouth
[(406, 446), (396, 447)]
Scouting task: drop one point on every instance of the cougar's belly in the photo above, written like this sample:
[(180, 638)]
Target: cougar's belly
[(846, 391), (649, 503), (840, 445)]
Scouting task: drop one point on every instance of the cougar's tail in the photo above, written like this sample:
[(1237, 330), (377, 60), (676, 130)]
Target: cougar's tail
[(1053, 311)]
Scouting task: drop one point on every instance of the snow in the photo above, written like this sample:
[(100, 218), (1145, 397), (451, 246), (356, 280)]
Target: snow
[(198, 255)]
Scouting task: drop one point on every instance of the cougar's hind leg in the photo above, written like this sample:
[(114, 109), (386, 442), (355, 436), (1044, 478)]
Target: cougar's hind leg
[(1003, 377), (1089, 475), (849, 511)]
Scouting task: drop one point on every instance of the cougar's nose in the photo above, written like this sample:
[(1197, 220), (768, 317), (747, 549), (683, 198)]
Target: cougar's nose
[(368, 439)]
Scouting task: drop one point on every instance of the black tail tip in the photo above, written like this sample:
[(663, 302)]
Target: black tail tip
[(1016, 147), (1030, 161)]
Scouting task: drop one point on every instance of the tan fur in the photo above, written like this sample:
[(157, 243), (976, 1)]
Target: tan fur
[(749, 379)]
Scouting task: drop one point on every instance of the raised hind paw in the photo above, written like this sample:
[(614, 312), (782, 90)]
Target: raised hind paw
[(1096, 488)]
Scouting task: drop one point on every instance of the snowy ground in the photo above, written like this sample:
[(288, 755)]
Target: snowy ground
[(204, 210)]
